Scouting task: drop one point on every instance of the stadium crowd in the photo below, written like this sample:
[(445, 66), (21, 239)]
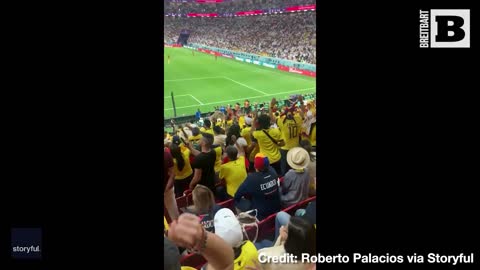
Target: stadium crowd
[(289, 36), (263, 161), (230, 6)]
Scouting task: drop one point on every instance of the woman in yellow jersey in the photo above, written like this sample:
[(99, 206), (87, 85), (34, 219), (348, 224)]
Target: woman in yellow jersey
[(182, 168)]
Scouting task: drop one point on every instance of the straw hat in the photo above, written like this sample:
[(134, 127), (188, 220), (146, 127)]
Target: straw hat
[(298, 158)]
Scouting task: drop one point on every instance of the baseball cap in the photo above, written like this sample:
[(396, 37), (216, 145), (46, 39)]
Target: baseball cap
[(176, 140), (227, 227), (261, 162)]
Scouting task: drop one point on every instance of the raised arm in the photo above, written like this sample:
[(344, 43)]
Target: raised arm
[(187, 232), (272, 104)]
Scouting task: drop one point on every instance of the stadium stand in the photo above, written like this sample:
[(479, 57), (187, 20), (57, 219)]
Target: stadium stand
[(289, 36)]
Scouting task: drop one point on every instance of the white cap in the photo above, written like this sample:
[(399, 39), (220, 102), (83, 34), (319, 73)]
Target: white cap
[(227, 227)]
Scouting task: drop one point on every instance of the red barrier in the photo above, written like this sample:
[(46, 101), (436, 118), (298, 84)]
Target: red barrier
[(173, 45), (252, 12), (214, 53), (309, 7), (202, 15), (297, 70)]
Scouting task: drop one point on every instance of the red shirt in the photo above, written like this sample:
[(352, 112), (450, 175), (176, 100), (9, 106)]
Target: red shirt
[(167, 163)]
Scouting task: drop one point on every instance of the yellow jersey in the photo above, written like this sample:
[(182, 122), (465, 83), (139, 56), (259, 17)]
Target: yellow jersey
[(313, 135), (187, 169), (247, 257), (246, 135), (234, 173), (218, 158), (267, 146), (291, 130), (241, 122), (204, 130), (165, 223), (195, 139), (229, 124)]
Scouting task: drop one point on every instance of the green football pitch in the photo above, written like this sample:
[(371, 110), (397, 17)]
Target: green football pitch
[(200, 82)]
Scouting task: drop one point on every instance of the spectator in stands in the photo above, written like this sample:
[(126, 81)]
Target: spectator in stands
[(218, 160), (196, 135), (234, 138), (198, 114), (187, 232), (204, 206), (296, 239), (289, 36), (229, 229), (252, 147), (218, 137), (262, 188), (282, 218), (182, 168), (233, 173), (295, 186), (168, 185), (269, 140), (246, 106), (290, 125), (207, 127), (310, 124), (203, 163), (312, 166)]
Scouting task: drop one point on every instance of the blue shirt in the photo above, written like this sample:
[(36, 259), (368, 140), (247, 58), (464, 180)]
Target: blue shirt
[(262, 188)]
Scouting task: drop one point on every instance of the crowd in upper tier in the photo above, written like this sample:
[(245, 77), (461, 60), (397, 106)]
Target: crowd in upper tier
[(230, 6), (289, 36)]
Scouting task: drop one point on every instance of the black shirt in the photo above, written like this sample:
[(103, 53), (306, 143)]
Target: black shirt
[(206, 219), (206, 162)]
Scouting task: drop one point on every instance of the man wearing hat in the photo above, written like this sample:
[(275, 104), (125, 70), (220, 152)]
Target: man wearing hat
[(262, 188), (296, 182)]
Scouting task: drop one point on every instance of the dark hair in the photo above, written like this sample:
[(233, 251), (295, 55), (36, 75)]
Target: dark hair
[(217, 129), (305, 144), (263, 121), (233, 130), (177, 155), (207, 123), (208, 139), (232, 152), (195, 131), (301, 237)]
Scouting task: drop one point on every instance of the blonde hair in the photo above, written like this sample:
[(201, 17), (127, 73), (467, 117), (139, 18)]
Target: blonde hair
[(203, 199)]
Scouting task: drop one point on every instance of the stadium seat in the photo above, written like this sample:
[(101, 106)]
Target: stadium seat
[(303, 204), (266, 228), (230, 204), (193, 260)]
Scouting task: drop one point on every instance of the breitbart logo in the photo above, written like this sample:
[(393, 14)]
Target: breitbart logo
[(445, 28)]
